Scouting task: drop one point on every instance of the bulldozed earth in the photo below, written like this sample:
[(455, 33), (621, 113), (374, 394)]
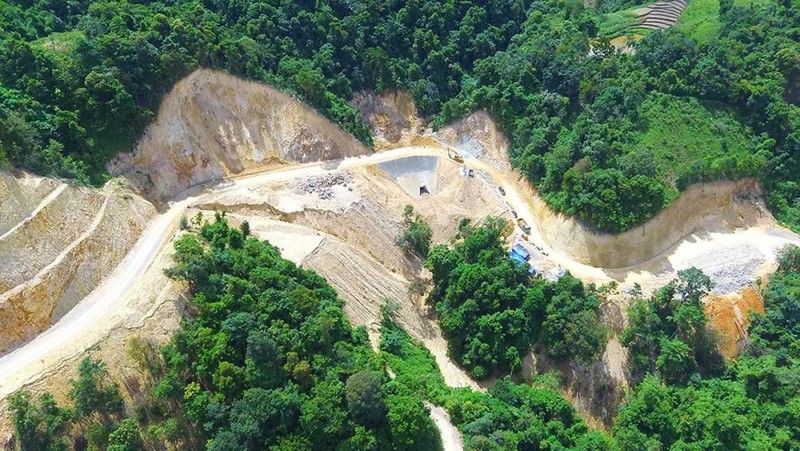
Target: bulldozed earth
[(83, 268)]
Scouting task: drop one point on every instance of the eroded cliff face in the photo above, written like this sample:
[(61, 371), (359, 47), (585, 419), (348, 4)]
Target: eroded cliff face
[(214, 125), (57, 247)]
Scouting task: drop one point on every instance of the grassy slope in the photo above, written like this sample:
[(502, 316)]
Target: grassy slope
[(700, 19), (616, 23), (62, 45), (681, 131)]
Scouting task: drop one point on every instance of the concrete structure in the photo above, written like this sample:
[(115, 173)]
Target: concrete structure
[(416, 175)]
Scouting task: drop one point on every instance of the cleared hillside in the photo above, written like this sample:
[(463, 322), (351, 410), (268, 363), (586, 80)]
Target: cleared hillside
[(213, 125)]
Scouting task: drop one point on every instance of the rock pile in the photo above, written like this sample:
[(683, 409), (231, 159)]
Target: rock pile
[(323, 185)]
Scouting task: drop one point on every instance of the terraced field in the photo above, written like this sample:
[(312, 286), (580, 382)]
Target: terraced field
[(660, 15)]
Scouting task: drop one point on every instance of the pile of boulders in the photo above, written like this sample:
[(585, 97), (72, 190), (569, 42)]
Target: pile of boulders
[(322, 184)]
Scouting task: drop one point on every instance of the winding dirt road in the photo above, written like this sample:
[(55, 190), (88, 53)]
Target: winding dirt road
[(101, 311), (104, 308)]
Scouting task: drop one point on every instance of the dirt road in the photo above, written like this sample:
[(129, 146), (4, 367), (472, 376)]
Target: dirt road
[(451, 438), (103, 309)]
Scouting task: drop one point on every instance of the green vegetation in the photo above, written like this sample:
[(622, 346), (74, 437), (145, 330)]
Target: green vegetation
[(688, 142), (615, 23), (96, 417), (667, 334), (267, 360), (78, 83), (509, 417), (417, 234), (753, 404), (492, 312), (700, 20)]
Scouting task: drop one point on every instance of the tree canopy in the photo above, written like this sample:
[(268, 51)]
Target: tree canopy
[(607, 136)]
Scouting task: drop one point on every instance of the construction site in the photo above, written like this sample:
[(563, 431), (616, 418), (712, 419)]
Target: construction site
[(84, 268)]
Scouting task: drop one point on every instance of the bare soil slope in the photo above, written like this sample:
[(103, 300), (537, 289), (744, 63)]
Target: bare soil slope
[(213, 125), (64, 243), (703, 208), (392, 117)]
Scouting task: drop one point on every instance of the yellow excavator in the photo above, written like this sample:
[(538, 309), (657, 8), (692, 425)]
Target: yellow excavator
[(454, 155)]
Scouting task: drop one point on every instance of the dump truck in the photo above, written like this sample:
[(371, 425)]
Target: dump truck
[(523, 225)]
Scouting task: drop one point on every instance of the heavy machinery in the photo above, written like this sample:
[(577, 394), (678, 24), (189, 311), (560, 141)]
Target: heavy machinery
[(454, 156)]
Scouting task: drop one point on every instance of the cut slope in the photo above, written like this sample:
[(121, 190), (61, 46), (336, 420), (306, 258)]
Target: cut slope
[(213, 125), (391, 116), (21, 196), (61, 251), (416, 175), (702, 208)]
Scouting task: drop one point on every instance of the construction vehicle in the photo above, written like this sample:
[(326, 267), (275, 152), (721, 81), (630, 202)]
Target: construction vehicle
[(454, 156), (523, 225)]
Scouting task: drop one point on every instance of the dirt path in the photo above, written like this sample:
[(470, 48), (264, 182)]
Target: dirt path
[(451, 438), (98, 313)]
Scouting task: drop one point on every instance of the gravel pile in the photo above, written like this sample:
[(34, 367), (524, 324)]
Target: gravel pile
[(322, 184), (731, 268)]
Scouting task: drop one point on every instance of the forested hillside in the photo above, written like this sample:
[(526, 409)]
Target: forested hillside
[(267, 360), (611, 138)]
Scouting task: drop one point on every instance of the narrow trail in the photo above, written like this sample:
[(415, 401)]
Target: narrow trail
[(98, 313)]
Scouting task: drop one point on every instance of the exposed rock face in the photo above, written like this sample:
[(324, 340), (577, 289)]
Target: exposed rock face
[(392, 117), (58, 247), (214, 125)]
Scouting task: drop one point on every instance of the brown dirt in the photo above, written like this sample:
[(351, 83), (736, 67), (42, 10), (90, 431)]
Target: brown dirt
[(61, 250), (213, 125), (20, 196), (729, 317), (391, 116)]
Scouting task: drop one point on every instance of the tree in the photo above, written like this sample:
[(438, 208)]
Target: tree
[(410, 424), (363, 394), (416, 236), (93, 392), (675, 361), (693, 284), (572, 327), (126, 437), (39, 426), (668, 333)]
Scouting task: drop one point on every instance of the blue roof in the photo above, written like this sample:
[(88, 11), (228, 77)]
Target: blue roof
[(517, 258), (521, 251), (521, 260)]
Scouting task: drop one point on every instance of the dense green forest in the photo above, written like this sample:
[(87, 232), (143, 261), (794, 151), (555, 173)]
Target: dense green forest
[(610, 138), (266, 359), (493, 312)]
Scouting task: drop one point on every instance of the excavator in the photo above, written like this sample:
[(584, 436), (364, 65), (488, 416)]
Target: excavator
[(454, 155)]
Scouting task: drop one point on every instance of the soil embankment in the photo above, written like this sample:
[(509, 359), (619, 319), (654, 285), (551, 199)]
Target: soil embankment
[(722, 207), (213, 125), (65, 241)]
